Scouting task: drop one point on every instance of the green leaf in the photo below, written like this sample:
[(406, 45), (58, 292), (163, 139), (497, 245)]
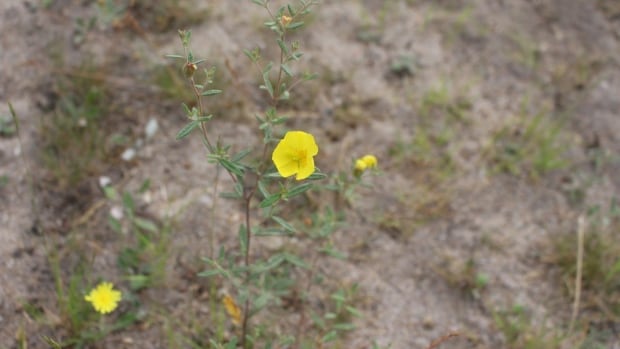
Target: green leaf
[(271, 232), (302, 188), (240, 155), (261, 301), (114, 224), (243, 238), (338, 296), (272, 175), (295, 260), (318, 321), (230, 166), (309, 77), (286, 225), (263, 190), (287, 70), (232, 344), (344, 327), (615, 269), (295, 25), (330, 251), (203, 118), (185, 131), (353, 311), (317, 176), (283, 47), (145, 186), (330, 336), (275, 260), (209, 273), (281, 119), (291, 11), (270, 200), (211, 92), (174, 56), (267, 86), (110, 193), (138, 282), (128, 202), (145, 224)]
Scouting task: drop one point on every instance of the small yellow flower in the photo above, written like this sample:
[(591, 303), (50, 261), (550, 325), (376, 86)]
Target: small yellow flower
[(285, 20), (364, 163), (295, 155), (360, 165), (232, 309), (370, 161), (104, 298)]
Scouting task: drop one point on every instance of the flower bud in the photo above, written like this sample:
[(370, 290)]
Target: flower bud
[(285, 20), (189, 69)]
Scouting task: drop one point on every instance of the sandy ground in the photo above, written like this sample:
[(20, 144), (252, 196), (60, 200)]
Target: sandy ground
[(409, 234)]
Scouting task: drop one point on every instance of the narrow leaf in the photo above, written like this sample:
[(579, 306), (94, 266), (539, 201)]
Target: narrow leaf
[(302, 188), (287, 70), (209, 273), (283, 47), (316, 176), (329, 337), (211, 92), (110, 193), (286, 225), (185, 131), (268, 86), (270, 200), (295, 25), (243, 238), (145, 224), (295, 260), (344, 327), (232, 167), (240, 155)]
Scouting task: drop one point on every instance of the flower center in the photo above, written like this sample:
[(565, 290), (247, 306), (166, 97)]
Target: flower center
[(300, 157)]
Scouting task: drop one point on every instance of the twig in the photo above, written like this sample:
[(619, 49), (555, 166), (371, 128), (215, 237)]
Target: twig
[(437, 342), (249, 193), (580, 237)]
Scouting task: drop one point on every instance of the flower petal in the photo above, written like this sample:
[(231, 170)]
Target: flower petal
[(306, 169)]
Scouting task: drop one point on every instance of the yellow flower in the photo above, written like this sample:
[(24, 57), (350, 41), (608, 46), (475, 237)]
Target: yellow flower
[(232, 309), (360, 165), (104, 298), (364, 163), (370, 161), (294, 155)]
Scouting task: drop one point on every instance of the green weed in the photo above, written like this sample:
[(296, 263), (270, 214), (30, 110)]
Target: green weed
[(600, 300), (463, 275), (527, 51), (519, 333), (142, 260), (7, 126), (73, 138), (530, 146)]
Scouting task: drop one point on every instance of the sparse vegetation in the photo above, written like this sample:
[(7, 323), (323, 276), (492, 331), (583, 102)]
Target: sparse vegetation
[(529, 146), (400, 198)]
